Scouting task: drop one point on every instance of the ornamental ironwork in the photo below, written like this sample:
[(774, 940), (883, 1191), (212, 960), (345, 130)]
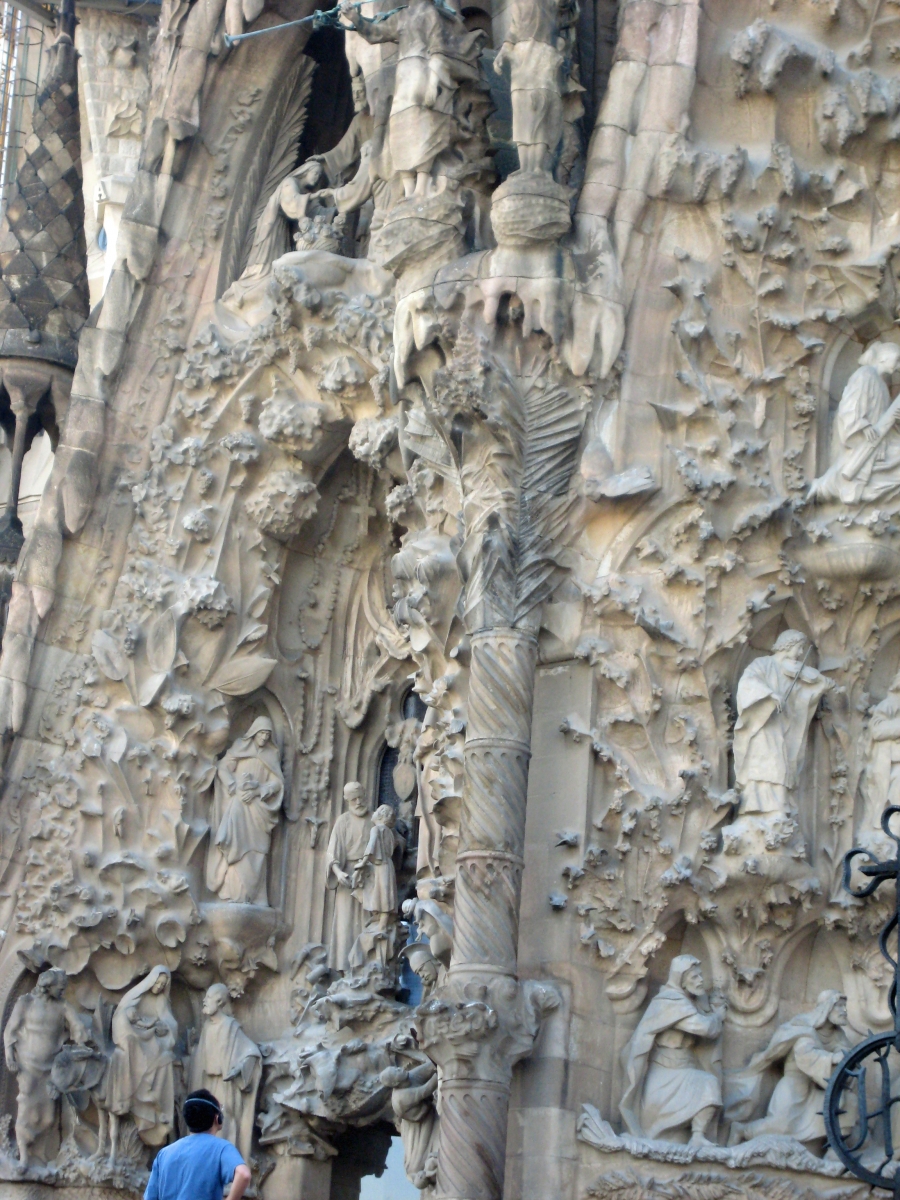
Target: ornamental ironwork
[(860, 1101)]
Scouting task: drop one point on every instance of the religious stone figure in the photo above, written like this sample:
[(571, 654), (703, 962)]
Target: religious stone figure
[(865, 455), (229, 1064), (435, 55), (535, 55), (344, 169), (776, 701), (375, 875), (141, 1080), (412, 1100), (807, 1048), (249, 791), (40, 1025), (880, 784), (346, 846), (672, 1062)]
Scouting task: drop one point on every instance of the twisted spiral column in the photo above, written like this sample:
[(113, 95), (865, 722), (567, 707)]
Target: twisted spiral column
[(474, 1110), (492, 824), (472, 1149)]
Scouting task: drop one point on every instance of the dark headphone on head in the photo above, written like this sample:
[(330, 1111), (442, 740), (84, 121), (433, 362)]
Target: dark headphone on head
[(188, 1105)]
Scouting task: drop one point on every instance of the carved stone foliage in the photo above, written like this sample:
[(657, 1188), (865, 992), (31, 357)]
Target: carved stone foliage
[(524, 540), (626, 1185)]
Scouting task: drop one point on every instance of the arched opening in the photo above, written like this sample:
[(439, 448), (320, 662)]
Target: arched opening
[(30, 435), (369, 1166), (331, 107)]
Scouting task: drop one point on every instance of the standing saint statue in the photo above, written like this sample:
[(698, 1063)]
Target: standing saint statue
[(807, 1047), (673, 1061), (536, 55), (376, 876), (435, 55), (228, 1064), (880, 782), (141, 1080), (346, 846), (40, 1025), (776, 701), (865, 458), (249, 791)]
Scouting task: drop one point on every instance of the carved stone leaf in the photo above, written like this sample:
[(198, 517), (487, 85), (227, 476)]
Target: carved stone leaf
[(109, 655), (162, 642), (117, 744), (242, 675), (149, 689), (253, 631)]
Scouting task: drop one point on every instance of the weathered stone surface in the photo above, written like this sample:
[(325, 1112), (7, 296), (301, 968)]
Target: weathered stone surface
[(459, 638)]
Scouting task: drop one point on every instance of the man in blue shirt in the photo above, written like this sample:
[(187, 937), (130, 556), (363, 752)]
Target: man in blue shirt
[(201, 1165)]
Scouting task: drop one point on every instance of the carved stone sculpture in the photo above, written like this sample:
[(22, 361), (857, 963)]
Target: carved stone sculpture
[(249, 791), (880, 783), (865, 466), (776, 701), (807, 1048), (375, 880), (346, 846), (672, 1063), (551, 425), (534, 52), (141, 1080), (290, 199), (229, 1064), (435, 55), (40, 1024), (412, 1099)]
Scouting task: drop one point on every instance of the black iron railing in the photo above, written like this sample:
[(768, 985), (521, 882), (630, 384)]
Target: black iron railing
[(860, 1102)]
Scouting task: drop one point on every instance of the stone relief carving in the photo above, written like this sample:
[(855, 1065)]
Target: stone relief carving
[(808, 1048), (141, 1080), (347, 845), (39, 1026), (249, 791), (374, 879), (427, 448), (229, 1064), (670, 1089), (776, 700), (864, 466)]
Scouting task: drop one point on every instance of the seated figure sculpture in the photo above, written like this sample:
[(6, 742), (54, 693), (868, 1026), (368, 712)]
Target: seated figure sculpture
[(807, 1048), (865, 460), (672, 1062)]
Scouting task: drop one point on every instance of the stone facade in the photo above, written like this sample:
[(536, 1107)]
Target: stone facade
[(459, 638)]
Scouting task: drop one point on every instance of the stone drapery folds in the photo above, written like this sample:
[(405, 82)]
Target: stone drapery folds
[(459, 637)]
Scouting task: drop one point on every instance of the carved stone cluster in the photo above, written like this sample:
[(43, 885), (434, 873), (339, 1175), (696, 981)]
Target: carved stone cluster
[(459, 638)]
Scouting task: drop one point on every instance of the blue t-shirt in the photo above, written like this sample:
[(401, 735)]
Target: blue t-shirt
[(197, 1167)]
